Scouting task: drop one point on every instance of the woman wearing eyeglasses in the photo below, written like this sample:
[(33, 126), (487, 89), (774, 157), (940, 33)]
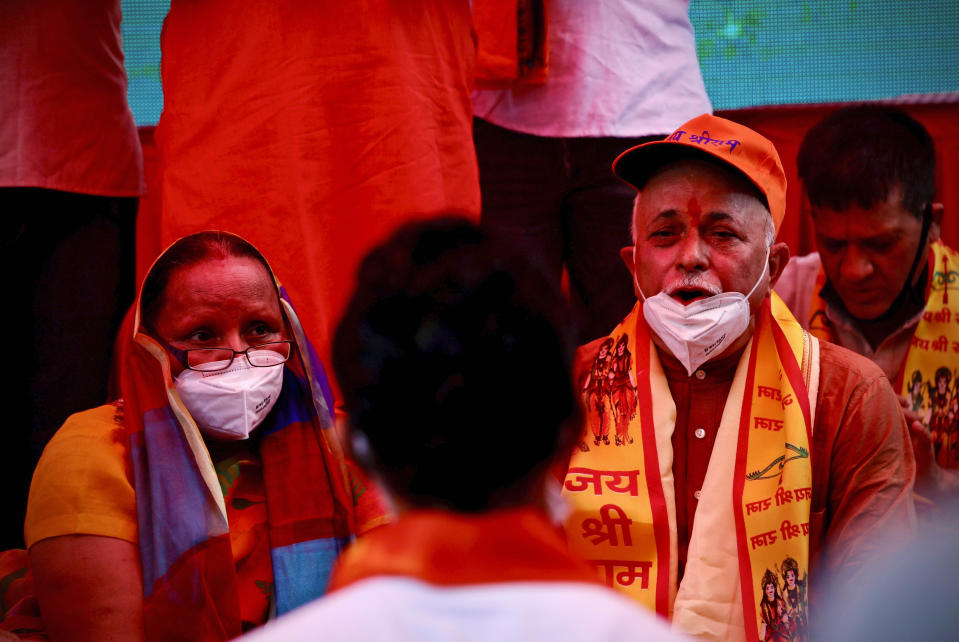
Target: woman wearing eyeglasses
[(212, 495)]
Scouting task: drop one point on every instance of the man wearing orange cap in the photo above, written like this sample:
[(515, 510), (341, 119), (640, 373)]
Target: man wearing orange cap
[(753, 443)]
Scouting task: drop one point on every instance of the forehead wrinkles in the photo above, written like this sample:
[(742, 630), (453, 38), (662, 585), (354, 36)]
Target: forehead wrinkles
[(746, 208), (211, 284), (856, 222), (230, 285), (731, 206), (713, 188)]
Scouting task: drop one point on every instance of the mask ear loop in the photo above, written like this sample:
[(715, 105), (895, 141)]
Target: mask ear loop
[(923, 233), (907, 291), (765, 270), (635, 280), (755, 285)]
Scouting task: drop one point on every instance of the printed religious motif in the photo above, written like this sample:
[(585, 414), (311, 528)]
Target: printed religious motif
[(782, 607), (604, 529), (580, 479), (763, 539), (626, 577), (768, 424), (609, 393), (758, 506), (944, 280), (622, 390), (596, 392), (937, 404), (775, 394), (775, 467)]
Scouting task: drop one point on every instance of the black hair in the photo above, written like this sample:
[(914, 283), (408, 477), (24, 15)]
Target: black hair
[(453, 360), (187, 251), (858, 155)]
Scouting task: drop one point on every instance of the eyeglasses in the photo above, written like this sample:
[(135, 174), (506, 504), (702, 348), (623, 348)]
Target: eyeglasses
[(263, 355)]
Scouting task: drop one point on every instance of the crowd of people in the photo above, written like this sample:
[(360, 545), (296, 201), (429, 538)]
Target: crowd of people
[(704, 437)]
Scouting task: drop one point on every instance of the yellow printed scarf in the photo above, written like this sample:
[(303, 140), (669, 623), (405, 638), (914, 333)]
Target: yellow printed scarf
[(623, 517), (929, 376)]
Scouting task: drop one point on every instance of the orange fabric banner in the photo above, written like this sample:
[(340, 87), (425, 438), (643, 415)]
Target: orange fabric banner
[(512, 44), (313, 129)]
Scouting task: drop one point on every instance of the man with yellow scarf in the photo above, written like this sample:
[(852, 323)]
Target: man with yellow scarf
[(880, 283), (752, 442)]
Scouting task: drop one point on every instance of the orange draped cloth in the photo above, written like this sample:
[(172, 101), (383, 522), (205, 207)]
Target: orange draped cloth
[(512, 45), (312, 129)]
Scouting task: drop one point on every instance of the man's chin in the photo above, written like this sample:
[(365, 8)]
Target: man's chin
[(866, 313)]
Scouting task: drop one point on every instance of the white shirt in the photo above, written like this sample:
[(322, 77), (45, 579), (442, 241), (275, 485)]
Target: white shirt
[(618, 68), (401, 608)]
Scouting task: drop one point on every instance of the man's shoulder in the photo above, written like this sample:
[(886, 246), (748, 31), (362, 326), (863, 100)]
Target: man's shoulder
[(836, 361), (796, 283), (850, 385), (573, 611)]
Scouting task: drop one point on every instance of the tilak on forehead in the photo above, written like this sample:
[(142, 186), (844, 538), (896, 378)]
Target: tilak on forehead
[(708, 136)]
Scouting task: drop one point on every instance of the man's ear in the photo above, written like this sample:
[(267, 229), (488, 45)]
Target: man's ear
[(628, 256), (935, 226), (778, 258)]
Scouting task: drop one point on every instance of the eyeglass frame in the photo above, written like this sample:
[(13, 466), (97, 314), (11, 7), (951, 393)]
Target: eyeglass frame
[(181, 355)]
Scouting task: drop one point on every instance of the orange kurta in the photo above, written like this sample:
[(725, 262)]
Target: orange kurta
[(313, 128)]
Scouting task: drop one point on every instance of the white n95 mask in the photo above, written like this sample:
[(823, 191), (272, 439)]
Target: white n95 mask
[(230, 403), (697, 332)]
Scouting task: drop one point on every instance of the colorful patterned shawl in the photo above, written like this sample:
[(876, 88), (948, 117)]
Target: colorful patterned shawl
[(314, 505)]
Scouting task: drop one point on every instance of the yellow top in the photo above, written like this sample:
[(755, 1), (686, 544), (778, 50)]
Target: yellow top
[(83, 483)]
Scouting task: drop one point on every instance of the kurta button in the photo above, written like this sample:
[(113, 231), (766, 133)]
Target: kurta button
[(696, 495), (700, 433), (700, 374)]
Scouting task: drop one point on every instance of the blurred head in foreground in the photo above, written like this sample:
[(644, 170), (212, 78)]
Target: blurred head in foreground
[(454, 362)]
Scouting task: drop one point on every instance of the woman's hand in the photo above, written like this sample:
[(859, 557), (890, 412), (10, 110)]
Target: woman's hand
[(89, 588)]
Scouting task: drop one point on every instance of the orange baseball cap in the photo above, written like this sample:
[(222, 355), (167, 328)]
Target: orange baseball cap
[(744, 150)]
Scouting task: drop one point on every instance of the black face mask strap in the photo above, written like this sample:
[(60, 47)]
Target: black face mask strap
[(909, 292)]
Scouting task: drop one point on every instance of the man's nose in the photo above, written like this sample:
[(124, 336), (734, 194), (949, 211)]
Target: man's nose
[(856, 265), (693, 253)]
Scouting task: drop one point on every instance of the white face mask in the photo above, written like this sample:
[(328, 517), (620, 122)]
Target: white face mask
[(697, 332), (230, 403)]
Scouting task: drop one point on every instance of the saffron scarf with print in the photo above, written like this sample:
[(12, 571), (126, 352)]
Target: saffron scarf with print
[(752, 519), (446, 548), (314, 501), (929, 376)]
